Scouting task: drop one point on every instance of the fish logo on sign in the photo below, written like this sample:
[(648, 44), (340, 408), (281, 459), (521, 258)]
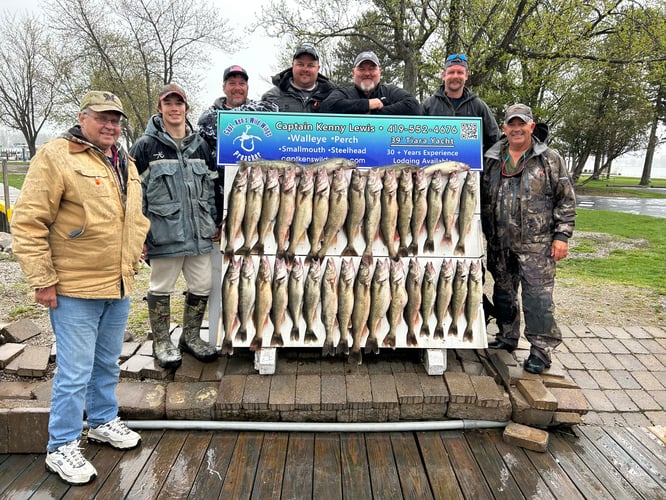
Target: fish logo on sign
[(247, 134)]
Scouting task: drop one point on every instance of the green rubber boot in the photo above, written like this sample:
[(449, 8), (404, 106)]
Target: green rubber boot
[(190, 340), (159, 312)]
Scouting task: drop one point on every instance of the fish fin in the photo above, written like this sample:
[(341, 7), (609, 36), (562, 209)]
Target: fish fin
[(342, 347), (328, 348), (429, 246), (413, 249), (468, 336), (276, 339), (425, 330), (389, 340), (258, 248), (295, 334), (241, 335), (349, 251), (411, 339), (355, 356), (227, 347), (310, 336), (371, 345), (255, 345), (439, 332), (460, 248)]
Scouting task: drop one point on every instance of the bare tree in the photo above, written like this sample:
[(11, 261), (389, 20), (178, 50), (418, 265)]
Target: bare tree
[(29, 79)]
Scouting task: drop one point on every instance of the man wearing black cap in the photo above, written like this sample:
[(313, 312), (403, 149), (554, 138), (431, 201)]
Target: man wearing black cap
[(177, 175), (452, 98), (235, 89), (368, 95), (528, 211), (301, 88)]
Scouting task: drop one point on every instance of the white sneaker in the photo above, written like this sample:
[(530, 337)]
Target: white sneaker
[(68, 462), (115, 434)]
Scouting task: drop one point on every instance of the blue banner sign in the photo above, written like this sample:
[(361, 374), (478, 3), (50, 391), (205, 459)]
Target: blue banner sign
[(368, 140)]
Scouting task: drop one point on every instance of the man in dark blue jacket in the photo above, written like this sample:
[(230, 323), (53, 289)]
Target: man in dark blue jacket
[(177, 174), (368, 94)]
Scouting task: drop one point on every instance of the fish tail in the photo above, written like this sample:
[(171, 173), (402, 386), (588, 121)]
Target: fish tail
[(429, 245), (425, 330), (295, 333)]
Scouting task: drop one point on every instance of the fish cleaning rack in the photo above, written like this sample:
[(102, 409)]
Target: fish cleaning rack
[(438, 300)]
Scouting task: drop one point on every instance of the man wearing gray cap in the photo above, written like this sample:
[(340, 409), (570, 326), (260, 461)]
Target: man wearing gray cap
[(78, 233), (368, 95), (301, 88), (528, 211)]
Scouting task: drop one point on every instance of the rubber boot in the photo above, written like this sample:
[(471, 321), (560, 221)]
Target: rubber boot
[(159, 311), (190, 340)]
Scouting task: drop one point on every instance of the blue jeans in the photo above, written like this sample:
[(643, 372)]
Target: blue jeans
[(89, 338)]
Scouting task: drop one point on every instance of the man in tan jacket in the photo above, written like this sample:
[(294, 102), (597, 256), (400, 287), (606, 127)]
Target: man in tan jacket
[(78, 233)]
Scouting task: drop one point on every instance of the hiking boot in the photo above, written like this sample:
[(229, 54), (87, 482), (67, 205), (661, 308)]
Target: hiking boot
[(190, 340), (500, 344), (114, 433), (68, 462), (534, 364), (167, 355)]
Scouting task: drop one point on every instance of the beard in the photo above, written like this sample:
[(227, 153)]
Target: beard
[(367, 86)]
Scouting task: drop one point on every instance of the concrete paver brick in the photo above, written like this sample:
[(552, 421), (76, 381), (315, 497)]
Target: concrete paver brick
[(600, 331), (659, 397), (625, 379), (308, 366), (230, 392), (146, 348), (20, 331), (488, 393), (283, 392), (656, 417), (189, 370), (564, 383), (308, 392), (523, 413), (634, 346), (460, 388), (592, 418), (656, 331), (128, 350), (17, 390), (537, 395), (643, 400), (583, 379), (598, 400), (139, 400), (133, 366), (505, 357), (570, 400), (435, 411), (32, 362), (8, 352), (256, 391), (612, 420), (621, 401), (636, 419), (333, 392), (567, 418), (654, 346), (615, 346), (359, 392), (595, 345), (473, 411), (582, 331), (43, 391), (590, 361), (152, 370), (411, 411), (570, 361), (618, 332), (473, 367), (575, 345), (27, 427), (604, 379), (526, 437), (638, 332), (384, 394), (434, 389), (239, 365), (661, 358), (213, 372), (648, 381), (609, 361), (408, 388), (567, 332), (379, 366), (191, 400)]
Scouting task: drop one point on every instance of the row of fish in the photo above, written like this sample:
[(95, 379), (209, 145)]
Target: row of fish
[(369, 304), (319, 202)]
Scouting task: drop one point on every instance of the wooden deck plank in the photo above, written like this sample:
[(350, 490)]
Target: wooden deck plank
[(27, 481), (354, 466), (468, 472), (411, 471), (213, 470), (243, 466), (326, 482), (531, 484), (610, 477), (577, 470), (436, 460), (654, 466), (383, 472), (15, 465), (298, 466), (156, 469), (186, 466), (649, 440), (494, 469), (105, 460), (556, 479), (624, 463), (270, 470), (122, 477)]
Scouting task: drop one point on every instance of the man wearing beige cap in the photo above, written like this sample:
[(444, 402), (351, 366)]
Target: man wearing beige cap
[(528, 212), (368, 94), (78, 233), (177, 174)]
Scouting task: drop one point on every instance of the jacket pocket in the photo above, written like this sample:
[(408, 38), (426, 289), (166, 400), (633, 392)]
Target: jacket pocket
[(162, 185), (166, 224), (206, 223), (202, 179)]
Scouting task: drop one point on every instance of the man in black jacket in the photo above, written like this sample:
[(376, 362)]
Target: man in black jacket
[(368, 95), (301, 88), (452, 98)]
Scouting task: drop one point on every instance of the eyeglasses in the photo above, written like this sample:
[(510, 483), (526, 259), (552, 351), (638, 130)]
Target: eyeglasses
[(100, 120), (520, 167), (455, 57)]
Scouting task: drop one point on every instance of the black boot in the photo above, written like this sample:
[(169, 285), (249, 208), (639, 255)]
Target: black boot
[(159, 312), (190, 340)]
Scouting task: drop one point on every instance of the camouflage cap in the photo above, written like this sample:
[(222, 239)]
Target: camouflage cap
[(522, 111), (101, 101)]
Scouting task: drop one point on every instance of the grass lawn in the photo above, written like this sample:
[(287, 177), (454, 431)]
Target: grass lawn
[(620, 186)]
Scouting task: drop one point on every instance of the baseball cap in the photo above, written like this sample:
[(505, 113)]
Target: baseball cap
[(456, 60), (172, 88), (367, 55), (235, 70), (306, 48), (100, 101), (521, 111)]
